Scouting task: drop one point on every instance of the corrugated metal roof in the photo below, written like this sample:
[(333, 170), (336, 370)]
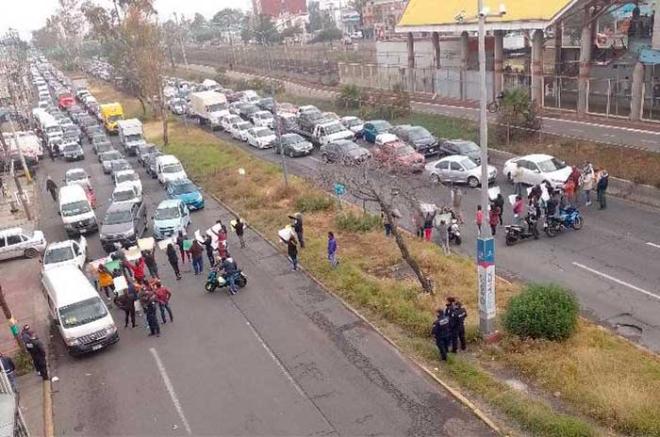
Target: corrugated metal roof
[(460, 15)]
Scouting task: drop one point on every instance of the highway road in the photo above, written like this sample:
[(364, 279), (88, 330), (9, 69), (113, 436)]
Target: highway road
[(282, 357), (608, 263)]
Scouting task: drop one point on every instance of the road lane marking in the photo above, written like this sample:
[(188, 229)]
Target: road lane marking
[(618, 281), (170, 390), (657, 246), (276, 360)]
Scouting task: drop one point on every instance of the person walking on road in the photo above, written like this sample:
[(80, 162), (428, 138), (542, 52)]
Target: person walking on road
[(105, 280), (180, 238), (588, 179), (197, 253), (239, 228), (138, 270), (499, 202), (36, 350), (149, 305), (601, 188), (51, 187), (150, 262), (173, 260), (479, 219), (126, 303), (518, 175), (457, 201), (442, 334), (292, 251), (428, 226), (163, 296), (332, 249), (208, 247), (443, 231), (9, 369), (494, 218), (298, 228)]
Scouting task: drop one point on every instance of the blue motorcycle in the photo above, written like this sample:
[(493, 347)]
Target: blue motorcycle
[(568, 218)]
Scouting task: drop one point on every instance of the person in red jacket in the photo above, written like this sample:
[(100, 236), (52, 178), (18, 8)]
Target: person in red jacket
[(138, 270), (493, 218), (163, 296)]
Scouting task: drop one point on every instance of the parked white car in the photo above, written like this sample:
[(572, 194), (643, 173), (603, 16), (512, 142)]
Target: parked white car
[(64, 253), (239, 130), (77, 176), (16, 242), (227, 120), (352, 123), (128, 177), (126, 193), (263, 119), (458, 169), (537, 169), (260, 137)]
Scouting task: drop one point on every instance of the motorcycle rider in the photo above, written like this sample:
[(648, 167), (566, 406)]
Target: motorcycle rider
[(231, 272)]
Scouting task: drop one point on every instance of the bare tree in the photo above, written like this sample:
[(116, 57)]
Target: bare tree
[(386, 187)]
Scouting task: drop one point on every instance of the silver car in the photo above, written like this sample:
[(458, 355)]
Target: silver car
[(458, 169)]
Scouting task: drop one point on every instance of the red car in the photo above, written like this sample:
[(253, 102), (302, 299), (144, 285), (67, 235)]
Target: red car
[(397, 155), (66, 101)]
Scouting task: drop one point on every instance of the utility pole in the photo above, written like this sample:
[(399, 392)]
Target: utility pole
[(485, 242), (278, 136), (13, 323)]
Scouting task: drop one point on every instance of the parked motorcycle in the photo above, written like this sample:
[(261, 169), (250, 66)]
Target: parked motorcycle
[(215, 280), (568, 218), (454, 232), (515, 233)]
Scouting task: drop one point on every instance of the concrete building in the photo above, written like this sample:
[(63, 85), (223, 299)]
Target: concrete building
[(381, 16), (275, 8)]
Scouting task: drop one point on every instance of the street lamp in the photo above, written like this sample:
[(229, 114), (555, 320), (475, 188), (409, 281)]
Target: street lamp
[(485, 242)]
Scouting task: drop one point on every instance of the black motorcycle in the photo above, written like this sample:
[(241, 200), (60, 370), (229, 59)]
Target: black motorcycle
[(515, 233), (215, 280)]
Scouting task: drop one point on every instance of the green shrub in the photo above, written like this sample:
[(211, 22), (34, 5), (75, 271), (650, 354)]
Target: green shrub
[(543, 311), (357, 223), (313, 202), (349, 97)]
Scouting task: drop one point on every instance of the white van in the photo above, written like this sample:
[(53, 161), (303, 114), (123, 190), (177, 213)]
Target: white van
[(168, 168), (77, 213), (81, 316)]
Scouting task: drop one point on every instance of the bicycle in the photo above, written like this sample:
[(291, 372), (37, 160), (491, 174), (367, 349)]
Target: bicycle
[(496, 104)]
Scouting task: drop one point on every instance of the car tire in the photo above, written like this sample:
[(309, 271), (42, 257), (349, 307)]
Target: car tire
[(31, 252), (509, 178), (435, 178), (473, 182)]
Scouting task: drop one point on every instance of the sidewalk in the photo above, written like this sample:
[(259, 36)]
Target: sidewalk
[(11, 210)]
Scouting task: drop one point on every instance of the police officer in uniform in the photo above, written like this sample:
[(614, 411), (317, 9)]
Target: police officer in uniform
[(450, 313), (442, 334), (460, 313)]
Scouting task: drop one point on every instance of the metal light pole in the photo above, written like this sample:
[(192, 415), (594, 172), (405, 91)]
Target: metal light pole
[(485, 242), (278, 140)]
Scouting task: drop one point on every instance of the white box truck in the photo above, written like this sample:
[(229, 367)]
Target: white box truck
[(131, 135), (208, 107)]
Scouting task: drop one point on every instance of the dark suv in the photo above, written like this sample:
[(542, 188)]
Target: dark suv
[(123, 224)]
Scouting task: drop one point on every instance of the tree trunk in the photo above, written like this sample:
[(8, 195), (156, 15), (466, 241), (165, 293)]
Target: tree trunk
[(424, 281), (166, 136), (144, 107)]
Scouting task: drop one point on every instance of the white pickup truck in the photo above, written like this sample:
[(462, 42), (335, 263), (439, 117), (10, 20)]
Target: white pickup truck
[(328, 132)]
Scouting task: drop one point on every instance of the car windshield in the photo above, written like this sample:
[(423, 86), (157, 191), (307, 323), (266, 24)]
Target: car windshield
[(468, 164), (263, 133), (551, 165), (467, 147), (187, 187), (117, 217), (71, 148), (172, 168), (75, 208), (76, 175), (124, 177), (58, 255), (167, 213), (111, 156), (353, 122), (133, 138), (334, 128), (147, 150), (114, 118), (123, 195), (291, 139), (348, 146), (81, 313), (243, 126), (418, 133), (265, 115), (120, 165), (404, 150), (381, 126)]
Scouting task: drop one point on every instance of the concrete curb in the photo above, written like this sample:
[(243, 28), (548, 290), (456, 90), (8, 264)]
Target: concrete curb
[(454, 392)]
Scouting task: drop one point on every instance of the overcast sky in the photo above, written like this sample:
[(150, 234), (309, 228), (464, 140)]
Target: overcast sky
[(27, 15)]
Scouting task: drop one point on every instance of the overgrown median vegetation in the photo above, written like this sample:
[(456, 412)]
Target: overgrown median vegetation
[(591, 382)]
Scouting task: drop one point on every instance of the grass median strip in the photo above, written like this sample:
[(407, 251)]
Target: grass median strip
[(598, 376)]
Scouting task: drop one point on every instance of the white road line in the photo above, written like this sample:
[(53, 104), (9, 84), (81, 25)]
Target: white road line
[(598, 125), (657, 246), (277, 361), (618, 281), (170, 389)]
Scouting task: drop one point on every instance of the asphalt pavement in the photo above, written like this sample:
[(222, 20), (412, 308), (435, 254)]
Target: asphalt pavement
[(644, 139), (609, 263), (282, 357)]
